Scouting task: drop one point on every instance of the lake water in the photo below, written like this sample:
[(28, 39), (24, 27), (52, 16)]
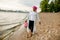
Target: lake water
[(8, 21), (11, 18)]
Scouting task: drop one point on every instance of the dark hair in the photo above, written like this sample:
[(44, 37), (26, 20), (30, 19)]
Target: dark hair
[(34, 8), (26, 21)]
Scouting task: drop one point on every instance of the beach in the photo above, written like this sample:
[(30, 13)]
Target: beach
[(49, 29)]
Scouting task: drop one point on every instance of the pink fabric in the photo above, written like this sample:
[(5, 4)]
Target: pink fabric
[(25, 24), (34, 7)]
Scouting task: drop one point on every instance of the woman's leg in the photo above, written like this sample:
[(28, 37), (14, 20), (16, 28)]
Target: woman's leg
[(31, 27)]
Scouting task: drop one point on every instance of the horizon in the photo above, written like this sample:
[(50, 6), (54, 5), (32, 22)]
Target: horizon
[(18, 4)]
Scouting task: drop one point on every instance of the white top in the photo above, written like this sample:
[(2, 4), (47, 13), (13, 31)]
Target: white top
[(33, 16)]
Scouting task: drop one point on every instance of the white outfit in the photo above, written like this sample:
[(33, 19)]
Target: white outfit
[(33, 16)]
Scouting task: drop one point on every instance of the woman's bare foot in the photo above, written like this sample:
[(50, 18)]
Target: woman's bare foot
[(29, 34)]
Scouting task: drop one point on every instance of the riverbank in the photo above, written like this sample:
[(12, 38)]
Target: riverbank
[(48, 30)]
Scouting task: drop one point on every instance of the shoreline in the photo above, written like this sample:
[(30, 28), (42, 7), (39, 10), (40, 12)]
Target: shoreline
[(48, 30)]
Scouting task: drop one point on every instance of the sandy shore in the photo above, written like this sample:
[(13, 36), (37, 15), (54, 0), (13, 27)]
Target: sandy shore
[(48, 30)]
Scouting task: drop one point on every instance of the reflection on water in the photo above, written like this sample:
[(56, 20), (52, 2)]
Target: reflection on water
[(9, 23)]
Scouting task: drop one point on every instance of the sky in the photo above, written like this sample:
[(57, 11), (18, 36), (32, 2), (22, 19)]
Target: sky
[(19, 4), (30, 2)]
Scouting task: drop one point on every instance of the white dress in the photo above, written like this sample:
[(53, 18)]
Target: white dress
[(34, 17)]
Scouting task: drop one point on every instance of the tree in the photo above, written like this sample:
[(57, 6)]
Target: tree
[(44, 5), (57, 5), (53, 6)]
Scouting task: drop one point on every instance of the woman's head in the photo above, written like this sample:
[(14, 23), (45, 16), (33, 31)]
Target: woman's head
[(25, 20), (34, 8)]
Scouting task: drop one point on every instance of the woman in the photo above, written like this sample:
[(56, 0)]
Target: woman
[(32, 17)]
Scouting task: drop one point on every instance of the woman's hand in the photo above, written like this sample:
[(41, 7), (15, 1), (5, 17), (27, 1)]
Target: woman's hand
[(39, 22)]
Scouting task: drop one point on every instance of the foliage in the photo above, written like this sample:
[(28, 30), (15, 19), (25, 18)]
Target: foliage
[(54, 6)]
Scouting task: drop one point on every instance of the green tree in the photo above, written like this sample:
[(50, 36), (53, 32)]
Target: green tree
[(51, 7), (44, 5), (57, 6)]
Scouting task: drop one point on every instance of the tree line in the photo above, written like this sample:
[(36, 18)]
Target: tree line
[(53, 6)]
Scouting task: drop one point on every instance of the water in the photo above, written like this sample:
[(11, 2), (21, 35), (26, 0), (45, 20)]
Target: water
[(9, 21)]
